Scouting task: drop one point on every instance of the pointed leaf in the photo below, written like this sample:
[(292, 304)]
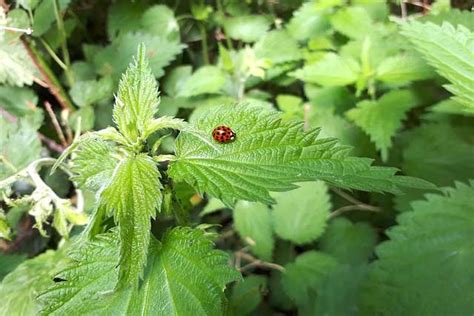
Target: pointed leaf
[(184, 276), (133, 195), (137, 98), (269, 155), (381, 119)]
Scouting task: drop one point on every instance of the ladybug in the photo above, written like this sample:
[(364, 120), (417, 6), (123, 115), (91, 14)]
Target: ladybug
[(223, 134)]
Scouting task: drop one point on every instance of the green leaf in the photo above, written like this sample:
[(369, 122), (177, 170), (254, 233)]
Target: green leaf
[(440, 152), (87, 116), (4, 229), (354, 22), (207, 79), (269, 155), (159, 20), (449, 51), (300, 215), (247, 294), (44, 16), (453, 17), (401, 69), (113, 59), (308, 21), (94, 164), (123, 17), (302, 277), (175, 80), (13, 157), (277, 47), (351, 243), (16, 67), (184, 276), (382, 119), (20, 288), (332, 70), (133, 194), (426, 266), (339, 291), (247, 28), (253, 222), (137, 98), (91, 91), (19, 101), (8, 263)]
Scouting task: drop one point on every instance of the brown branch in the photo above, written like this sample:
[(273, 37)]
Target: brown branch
[(54, 89), (254, 262), (55, 122), (356, 204), (51, 144)]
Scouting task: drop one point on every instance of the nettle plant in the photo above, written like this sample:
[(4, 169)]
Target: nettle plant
[(117, 265)]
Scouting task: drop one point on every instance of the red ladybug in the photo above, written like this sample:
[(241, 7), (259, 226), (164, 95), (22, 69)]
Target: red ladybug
[(223, 134)]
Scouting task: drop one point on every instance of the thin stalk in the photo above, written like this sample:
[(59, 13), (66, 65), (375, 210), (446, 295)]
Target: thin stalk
[(64, 49), (205, 53), (53, 54), (220, 9), (48, 77)]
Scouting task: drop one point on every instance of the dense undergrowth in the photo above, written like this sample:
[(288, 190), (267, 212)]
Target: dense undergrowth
[(344, 185)]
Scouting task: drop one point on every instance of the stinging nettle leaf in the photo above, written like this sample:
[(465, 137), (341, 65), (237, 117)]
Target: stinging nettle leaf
[(20, 288), (302, 277), (449, 50), (300, 215), (253, 222), (184, 276), (426, 266), (331, 70), (133, 194), (381, 119), (246, 28), (94, 164), (137, 98), (270, 155)]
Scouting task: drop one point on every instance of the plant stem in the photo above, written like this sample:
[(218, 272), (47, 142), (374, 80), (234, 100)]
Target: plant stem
[(62, 33), (48, 77), (205, 53)]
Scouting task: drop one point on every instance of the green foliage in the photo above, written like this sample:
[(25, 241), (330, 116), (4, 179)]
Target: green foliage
[(207, 79), (331, 70), (184, 275), (302, 277), (270, 155), (89, 92), (403, 68), (247, 294), (246, 28), (440, 44), (133, 195), (424, 154), (13, 158), (307, 86), (20, 288), (137, 99), (353, 22), (277, 47), (253, 221), (8, 263), (381, 119), (426, 267), (351, 243), (300, 215)]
